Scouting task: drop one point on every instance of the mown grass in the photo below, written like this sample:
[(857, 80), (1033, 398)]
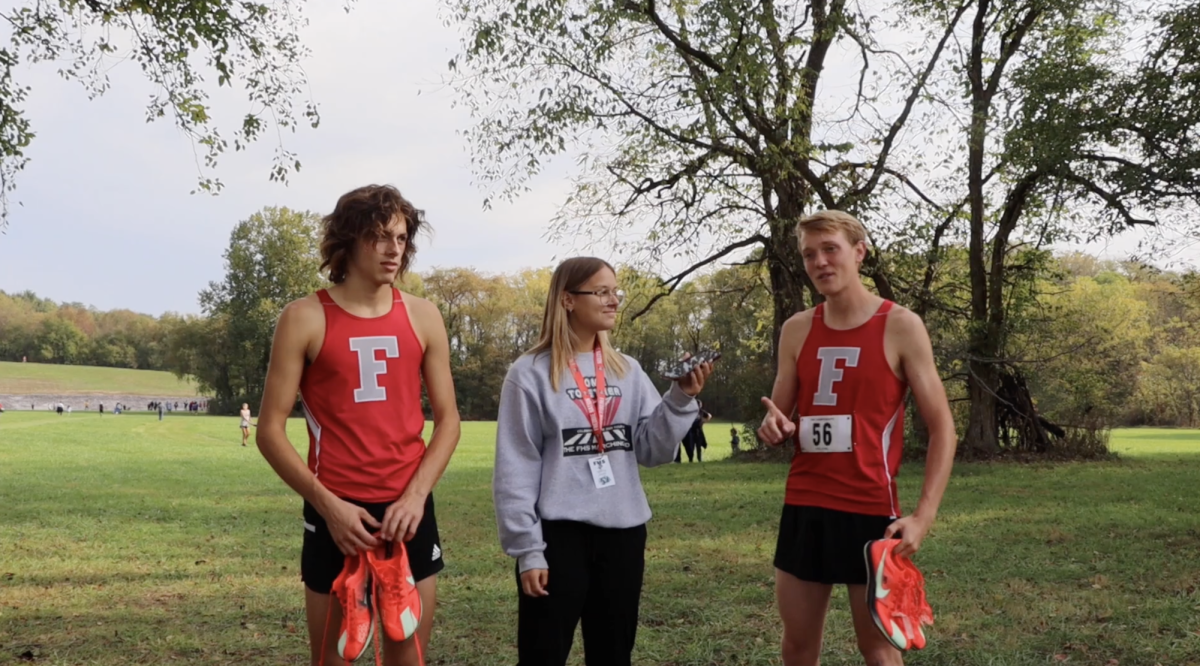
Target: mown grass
[(49, 379), (125, 540)]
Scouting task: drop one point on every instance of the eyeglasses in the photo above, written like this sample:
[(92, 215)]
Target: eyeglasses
[(602, 294), (384, 243)]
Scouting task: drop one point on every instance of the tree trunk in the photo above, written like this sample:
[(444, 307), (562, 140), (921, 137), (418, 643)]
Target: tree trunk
[(784, 263), (920, 429), (980, 439), (787, 289), (982, 347)]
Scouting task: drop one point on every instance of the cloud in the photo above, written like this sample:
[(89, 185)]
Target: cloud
[(106, 217)]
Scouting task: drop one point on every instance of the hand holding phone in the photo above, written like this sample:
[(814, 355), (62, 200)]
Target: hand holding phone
[(681, 369)]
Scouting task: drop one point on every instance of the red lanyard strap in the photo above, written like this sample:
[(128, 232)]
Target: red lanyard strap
[(595, 412)]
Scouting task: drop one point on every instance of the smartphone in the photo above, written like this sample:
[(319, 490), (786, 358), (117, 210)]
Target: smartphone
[(682, 368)]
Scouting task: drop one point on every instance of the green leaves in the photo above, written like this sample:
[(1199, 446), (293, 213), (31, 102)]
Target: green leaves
[(273, 258), (176, 43)]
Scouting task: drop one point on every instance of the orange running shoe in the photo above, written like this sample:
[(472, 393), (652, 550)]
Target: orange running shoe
[(355, 592), (896, 595), (395, 590)]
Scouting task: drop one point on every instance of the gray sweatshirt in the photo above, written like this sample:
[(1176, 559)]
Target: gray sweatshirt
[(544, 443)]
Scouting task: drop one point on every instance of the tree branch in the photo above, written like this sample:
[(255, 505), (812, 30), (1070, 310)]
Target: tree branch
[(885, 151), (1113, 201), (783, 71), (674, 38), (818, 185), (1014, 206), (673, 282), (641, 115), (1010, 43), (916, 190), (934, 247), (823, 35)]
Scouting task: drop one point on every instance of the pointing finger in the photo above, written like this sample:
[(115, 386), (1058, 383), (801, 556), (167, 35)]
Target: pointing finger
[(775, 411)]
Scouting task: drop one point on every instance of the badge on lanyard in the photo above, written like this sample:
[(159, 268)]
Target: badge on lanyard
[(602, 473), (601, 470)]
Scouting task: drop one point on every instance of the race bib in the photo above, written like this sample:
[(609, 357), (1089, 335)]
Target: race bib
[(602, 472), (827, 434)]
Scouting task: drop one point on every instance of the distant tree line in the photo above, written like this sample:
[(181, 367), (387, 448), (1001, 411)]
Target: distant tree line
[(39, 330), (1096, 344)]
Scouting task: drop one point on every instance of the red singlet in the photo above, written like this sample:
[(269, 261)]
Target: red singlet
[(362, 400), (846, 374)]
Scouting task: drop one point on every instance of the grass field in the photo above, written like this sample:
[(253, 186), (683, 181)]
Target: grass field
[(125, 540), (44, 378)]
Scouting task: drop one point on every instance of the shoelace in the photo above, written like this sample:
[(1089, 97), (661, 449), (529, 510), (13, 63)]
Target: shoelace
[(374, 607), (911, 606), (376, 641), (392, 586)]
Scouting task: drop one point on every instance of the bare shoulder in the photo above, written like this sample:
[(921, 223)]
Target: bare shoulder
[(904, 322), (421, 309), (797, 326), (301, 329), (303, 313), (425, 318), (794, 333)]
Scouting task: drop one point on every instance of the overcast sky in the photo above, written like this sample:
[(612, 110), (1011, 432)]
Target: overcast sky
[(106, 218)]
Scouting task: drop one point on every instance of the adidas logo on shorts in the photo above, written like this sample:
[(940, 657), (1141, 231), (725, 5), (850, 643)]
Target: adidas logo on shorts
[(437, 552)]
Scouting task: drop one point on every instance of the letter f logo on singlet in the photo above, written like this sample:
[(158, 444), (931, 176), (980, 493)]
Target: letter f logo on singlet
[(370, 367), (831, 374)]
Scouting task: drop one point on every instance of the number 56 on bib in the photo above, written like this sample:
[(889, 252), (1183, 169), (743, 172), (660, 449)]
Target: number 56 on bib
[(827, 434)]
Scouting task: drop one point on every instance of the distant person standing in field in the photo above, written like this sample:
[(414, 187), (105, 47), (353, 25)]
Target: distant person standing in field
[(694, 442), (245, 414), (734, 440), (160, 410)]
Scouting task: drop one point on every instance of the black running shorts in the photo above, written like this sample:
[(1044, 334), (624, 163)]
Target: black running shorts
[(321, 561), (826, 546)]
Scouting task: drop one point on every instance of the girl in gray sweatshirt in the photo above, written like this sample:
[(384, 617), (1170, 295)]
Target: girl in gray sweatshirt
[(576, 419)]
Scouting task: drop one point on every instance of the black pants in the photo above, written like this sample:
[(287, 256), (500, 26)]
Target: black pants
[(692, 449), (596, 576)]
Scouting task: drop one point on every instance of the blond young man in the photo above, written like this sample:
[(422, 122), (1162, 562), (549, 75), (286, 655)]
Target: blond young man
[(845, 368)]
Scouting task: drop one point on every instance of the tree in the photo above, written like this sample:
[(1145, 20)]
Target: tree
[(490, 320), (1060, 130), (273, 258), (659, 336), (199, 347), (739, 304), (1082, 347), (1169, 393), (178, 44), (59, 341), (700, 120)]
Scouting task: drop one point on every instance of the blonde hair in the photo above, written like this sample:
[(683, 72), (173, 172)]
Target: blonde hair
[(833, 220), (558, 338)]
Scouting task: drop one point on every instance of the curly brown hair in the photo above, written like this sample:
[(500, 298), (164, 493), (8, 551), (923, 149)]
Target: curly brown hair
[(363, 214)]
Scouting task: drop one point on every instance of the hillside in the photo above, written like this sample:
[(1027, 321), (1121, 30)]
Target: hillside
[(47, 379)]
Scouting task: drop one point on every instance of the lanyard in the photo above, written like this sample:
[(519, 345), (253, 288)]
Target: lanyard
[(595, 412)]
